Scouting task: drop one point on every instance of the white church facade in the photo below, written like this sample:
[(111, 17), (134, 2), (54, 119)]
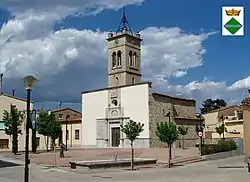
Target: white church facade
[(126, 97)]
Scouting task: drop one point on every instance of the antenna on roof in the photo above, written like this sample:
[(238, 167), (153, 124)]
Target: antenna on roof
[(124, 25), (1, 82)]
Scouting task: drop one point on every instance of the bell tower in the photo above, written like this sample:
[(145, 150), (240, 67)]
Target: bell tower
[(124, 55)]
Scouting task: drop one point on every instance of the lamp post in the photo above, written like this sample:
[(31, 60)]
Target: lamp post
[(29, 82), (170, 147), (33, 117), (199, 129), (223, 125), (67, 117)]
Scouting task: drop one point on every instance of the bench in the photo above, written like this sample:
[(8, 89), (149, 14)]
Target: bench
[(111, 163)]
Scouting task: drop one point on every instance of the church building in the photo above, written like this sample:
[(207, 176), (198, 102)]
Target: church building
[(127, 98)]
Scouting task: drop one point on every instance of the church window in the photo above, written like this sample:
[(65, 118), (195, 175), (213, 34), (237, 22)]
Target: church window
[(117, 81), (119, 58), (133, 80), (134, 60), (130, 58), (115, 102), (114, 60)]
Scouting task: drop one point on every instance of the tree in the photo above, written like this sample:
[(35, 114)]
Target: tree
[(167, 133), (13, 121), (211, 105), (132, 131), (43, 120), (54, 129), (221, 129), (48, 126), (183, 131)]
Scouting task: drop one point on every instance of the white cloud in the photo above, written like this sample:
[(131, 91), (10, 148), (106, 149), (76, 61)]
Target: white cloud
[(241, 84), (179, 73), (168, 50), (92, 6)]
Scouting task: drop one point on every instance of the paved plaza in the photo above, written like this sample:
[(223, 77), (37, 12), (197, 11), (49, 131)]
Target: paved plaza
[(108, 153), (225, 170)]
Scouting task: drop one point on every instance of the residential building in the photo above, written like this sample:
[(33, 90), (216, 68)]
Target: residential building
[(127, 98), (72, 120), (231, 116), (246, 125), (5, 140)]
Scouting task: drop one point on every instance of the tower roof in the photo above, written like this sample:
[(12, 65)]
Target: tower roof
[(124, 25)]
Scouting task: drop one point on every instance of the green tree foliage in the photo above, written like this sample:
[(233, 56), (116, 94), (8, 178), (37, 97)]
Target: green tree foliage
[(13, 121), (42, 123), (54, 129), (132, 131), (48, 126), (167, 133), (211, 105), (221, 129), (183, 131)]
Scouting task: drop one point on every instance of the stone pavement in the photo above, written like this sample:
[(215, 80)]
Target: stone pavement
[(108, 153), (203, 171)]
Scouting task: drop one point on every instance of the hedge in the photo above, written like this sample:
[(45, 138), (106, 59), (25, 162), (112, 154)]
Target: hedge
[(222, 146)]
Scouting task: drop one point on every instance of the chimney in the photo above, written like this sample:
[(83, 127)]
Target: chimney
[(1, 82), (13, 92)]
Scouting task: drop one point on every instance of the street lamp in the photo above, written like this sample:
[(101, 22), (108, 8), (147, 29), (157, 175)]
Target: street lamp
[(223, 125), (33, 123), (67, 117), (29, 82), (170, 146), (199, 130)]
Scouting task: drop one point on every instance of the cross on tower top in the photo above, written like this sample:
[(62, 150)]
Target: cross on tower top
[(124, 25)]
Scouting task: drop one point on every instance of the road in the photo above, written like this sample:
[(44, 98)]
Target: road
[(226, 170)]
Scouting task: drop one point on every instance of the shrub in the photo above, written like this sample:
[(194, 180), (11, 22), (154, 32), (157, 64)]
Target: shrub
[(222, 146)]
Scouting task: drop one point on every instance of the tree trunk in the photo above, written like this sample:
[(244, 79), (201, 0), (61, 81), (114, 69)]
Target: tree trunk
[(169, 156), (183, 142), (47, 143), (132, 156), (52, 146)]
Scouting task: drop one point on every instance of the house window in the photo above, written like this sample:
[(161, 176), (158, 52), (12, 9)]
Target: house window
[(119, 58), (4, 143), (60, 116), (67, 134), (134, 60), (114, 60), (130, 59), (77, 134), (2, 125)]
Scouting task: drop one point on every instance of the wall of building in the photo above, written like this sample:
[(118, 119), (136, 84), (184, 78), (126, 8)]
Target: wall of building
[(72, 142), (21, 105), (160, 105), (211, 121), (246, 125), (134, 101), (94, 106)]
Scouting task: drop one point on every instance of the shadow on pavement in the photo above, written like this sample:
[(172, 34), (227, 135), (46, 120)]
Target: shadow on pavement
[(7, 164)]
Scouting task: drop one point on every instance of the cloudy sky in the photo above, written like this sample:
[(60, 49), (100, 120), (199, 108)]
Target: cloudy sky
[(63, 44)]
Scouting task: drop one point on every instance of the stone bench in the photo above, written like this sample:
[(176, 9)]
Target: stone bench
[(111, 163)]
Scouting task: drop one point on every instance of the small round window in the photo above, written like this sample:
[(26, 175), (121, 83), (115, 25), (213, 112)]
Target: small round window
[(115, 102)]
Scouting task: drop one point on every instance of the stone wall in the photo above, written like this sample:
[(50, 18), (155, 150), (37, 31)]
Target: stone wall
[(183, 110)]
